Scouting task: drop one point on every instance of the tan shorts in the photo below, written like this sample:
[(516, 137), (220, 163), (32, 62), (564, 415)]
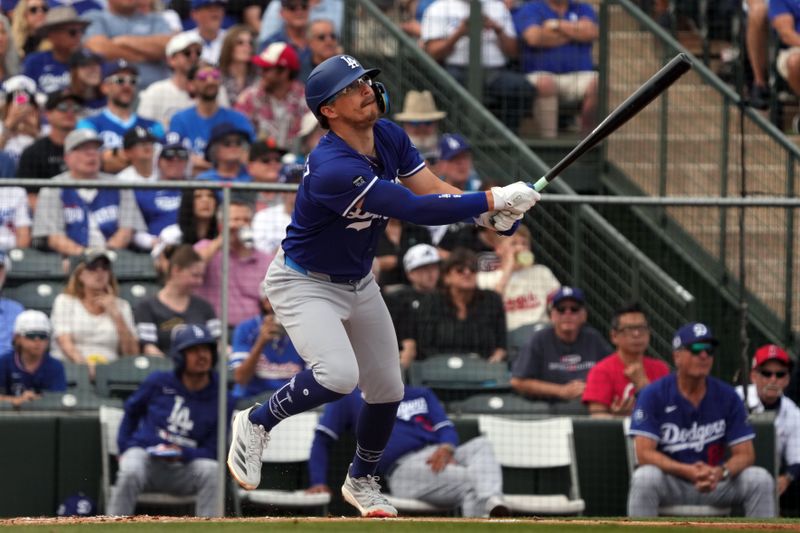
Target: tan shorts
[(572, 86), (782, 63)]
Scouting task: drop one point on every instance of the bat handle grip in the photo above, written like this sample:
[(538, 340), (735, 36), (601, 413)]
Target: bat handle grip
[(539, 185)]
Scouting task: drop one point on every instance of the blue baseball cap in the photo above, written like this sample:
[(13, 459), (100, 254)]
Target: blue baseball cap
[(566, 293), (112, 67), (197, 4), (173, 140), (222, 130), (452, 144), (693, 332)]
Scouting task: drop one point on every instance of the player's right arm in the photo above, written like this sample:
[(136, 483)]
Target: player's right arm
[(648, 454)]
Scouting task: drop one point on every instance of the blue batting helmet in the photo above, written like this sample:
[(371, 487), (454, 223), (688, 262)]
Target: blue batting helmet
[(186, 336), (333, 75)]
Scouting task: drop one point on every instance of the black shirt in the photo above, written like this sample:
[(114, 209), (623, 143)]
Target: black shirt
[(43, 159), (410, 234)]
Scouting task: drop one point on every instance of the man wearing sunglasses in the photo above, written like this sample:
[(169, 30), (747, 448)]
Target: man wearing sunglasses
[(50, 69), (692, 440), (322, 44), (227, 151), (769, 378), (29, 369)]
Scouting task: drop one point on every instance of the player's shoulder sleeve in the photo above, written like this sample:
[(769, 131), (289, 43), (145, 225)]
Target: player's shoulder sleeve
[(409, 159), (586, 11), (645, 418), (337, 179), (778, 7)]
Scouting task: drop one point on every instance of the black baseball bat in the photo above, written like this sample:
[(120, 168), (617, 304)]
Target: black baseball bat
[(645, 94)]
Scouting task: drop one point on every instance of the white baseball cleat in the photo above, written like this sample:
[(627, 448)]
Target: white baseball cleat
[(364, 493), (248, 441)]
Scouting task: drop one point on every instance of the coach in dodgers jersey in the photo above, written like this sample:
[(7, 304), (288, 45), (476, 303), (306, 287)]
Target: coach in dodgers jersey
[(320, 283), (682, 426)]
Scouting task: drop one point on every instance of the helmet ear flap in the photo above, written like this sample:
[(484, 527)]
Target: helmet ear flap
[(381, 97)]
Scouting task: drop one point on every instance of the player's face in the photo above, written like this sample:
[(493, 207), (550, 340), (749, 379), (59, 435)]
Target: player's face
[(633, 334), (356, 104), (198, 359), (33, 344), (424, 278), (695, 361), (567, 317), (770, 380)]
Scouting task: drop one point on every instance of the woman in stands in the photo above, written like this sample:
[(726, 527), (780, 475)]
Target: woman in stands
[(20, 116), (91, 324), (238, 72), (28, 17), (174, 304), (197, 216), (9, 60)]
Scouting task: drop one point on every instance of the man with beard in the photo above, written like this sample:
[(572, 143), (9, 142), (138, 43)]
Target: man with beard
[(420, 119), (119, 86), (195, 123)]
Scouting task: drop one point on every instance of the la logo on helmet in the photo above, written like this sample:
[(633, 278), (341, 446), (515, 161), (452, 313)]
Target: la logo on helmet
[(352, 62)]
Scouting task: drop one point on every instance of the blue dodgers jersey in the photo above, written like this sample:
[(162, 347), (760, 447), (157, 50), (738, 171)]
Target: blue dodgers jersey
[(49, 74), (687, 433), (159, 207), (328, 233), (421, 421), (196, 130), (111, 129), (14, 379)]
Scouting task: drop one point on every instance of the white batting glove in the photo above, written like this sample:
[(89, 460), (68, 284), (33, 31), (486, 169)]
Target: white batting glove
[(503, 220), (484, 220), (517, 197)]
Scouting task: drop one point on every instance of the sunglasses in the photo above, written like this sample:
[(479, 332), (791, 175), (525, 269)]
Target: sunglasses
[(36, 336), (354, 86), (465, 269), (699, 347), (269, 159), (74, 32), (767, 374), (207, 75), (175, 153), (127, 79), (67, 107), (421, 122), (296, 7), (98, 265), (634, 329), (568, 308), (191, 52), (36, 9), (324, 36)]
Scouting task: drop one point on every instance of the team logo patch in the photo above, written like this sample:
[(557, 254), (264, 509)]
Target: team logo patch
[(639, 415), (359, 181)]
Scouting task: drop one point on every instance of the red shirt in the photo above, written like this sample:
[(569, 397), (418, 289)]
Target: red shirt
[(606, 379)]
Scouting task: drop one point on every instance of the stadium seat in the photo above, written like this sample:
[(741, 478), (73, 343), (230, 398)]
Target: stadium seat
[(69, 401), (38, 295), (454, 377), (31, 264), (110, 420), (133, 266), (669, 510), (135, 291), (518, 337), (549, 447), (77, 377), (501, 404), (123, 376), (289, 450)]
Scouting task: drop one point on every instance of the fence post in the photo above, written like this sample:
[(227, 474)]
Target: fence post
[(788, 299), (222, 359), (475, 67)]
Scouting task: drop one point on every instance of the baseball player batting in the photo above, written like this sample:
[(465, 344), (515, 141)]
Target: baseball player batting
[(363, 171)]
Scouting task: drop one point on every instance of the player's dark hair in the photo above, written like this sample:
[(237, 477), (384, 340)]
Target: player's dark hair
[(186, 218), (631, 307)]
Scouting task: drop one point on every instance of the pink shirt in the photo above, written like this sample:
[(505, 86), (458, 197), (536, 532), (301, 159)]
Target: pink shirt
[(606, 379)]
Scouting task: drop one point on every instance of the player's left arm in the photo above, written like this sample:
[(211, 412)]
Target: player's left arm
[(743, 455), (426, 182)]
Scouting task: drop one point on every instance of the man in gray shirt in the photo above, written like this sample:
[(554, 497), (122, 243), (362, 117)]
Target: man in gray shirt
[(120, 32), (554, 363), (72, 219)]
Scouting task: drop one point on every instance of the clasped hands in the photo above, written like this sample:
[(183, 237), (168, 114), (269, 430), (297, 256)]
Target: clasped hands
[(510, 204)]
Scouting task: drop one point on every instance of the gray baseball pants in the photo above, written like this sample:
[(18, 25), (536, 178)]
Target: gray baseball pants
[(140, 472), (343, 332), (753, 488), (470, 482)]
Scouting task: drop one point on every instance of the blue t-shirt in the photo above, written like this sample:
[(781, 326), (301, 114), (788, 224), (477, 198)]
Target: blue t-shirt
[(304, 54), (14, 379), (9, 309), (48, 73), (278, 363), (159, 207), (212, 175), (81, 6), (328, 233), (196, 130), (687, 433), (112, 129), (570, 57)]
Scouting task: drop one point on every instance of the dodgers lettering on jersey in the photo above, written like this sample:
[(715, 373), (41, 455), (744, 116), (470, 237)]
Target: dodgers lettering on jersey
[(49, 74), (687, 433), (111, 129), (159, 208), (328, 233)]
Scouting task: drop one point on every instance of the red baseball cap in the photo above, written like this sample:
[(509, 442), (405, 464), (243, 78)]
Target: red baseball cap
[(771, 352), (278, 55)]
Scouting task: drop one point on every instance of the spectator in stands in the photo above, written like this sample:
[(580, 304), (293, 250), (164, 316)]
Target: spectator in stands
[(423, 459), (63, 29), (171, 17), (769, 378), (444, 33), (15, 219), (120, 32), (784, 16), (81, 6), (197, 216), (238, 71), (163, 98), (322, 43), (265, 165), (119, 85), (168, 436), (246, 267), (557, 38), (523, 284), (195, 123), (276, 104), (420, 119), (294, 32), (139, 148), (20, 116), (45, 157), (614, 382), (86, 77), (91, 324), (757, 34), (28, 17), (554, 363), (462, 318), (227, 149), (208, 15), (9, 60), (273, 23), (309, 135), (73, 219), (29, 369), (9, 309), (175, 304), (692, 440), (397, 238), (421, 264), (263, 358)]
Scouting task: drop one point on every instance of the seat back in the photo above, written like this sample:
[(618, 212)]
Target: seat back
[(28, 264), (499, 403), (457, 376), (77, 377), (38, 295), (548, 442), (135, 291), (131, 266), (123, 376)]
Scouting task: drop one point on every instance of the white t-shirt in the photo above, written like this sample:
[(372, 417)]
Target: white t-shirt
[(269, 228), (93, 335), (525, 295), (787, 424), (443, 17), (13, 214), (211, 49)]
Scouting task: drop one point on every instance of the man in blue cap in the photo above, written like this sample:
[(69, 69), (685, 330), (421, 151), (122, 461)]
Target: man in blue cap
[(227, 150), (208, 15)]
